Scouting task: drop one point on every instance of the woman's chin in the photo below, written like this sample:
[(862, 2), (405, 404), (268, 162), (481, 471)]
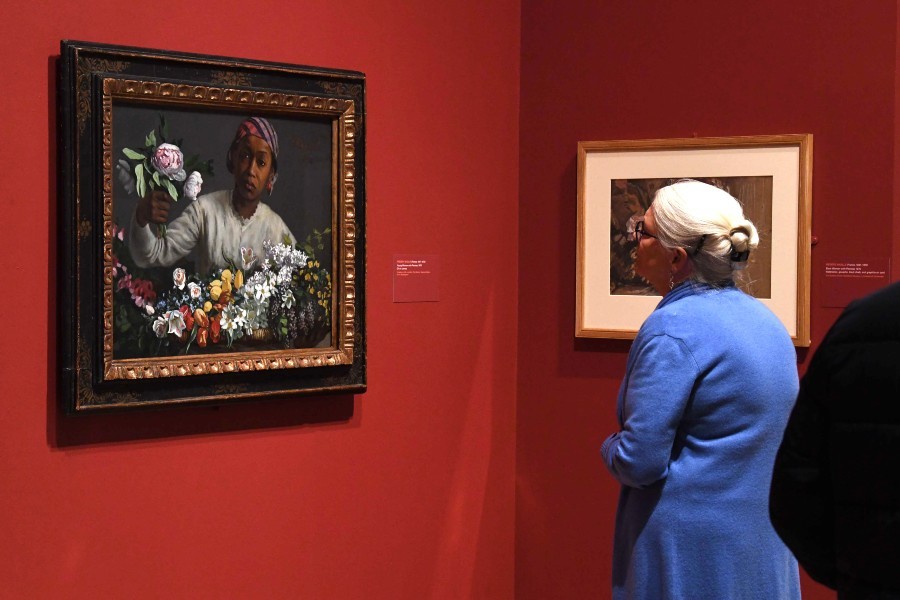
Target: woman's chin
[(246, 198)]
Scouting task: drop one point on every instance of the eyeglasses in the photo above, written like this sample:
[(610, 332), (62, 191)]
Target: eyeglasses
[(640, 233)]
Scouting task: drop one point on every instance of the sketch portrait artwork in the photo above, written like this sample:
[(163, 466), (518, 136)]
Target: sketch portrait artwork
[(769, 175), (629, 200)]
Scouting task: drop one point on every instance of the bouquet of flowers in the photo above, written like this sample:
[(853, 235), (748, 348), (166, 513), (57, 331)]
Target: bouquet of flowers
[(284, 298), (160, 164)]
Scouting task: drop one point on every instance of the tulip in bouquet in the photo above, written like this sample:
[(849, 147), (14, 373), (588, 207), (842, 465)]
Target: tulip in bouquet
[(161, 165)]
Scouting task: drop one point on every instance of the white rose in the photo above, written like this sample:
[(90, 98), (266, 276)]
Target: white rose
[(179, 277), (195, 290), (193, 185), (161, 326)]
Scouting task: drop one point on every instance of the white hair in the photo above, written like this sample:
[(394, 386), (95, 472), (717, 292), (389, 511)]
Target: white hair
[(709, 224)]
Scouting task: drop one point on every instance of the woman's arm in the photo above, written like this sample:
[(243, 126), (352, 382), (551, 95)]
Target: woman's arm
[(657, 386), (182, 234)]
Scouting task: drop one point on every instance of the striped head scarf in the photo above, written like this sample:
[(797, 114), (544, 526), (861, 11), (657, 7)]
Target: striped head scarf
[(262, 129)]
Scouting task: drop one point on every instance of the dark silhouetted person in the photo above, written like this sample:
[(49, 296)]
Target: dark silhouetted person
[(835, 494)]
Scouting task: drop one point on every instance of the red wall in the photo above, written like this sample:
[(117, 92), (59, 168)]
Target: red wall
[(614, 70), (405, 491)]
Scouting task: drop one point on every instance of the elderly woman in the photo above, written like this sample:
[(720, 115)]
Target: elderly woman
[(228, 225), (710, 382)]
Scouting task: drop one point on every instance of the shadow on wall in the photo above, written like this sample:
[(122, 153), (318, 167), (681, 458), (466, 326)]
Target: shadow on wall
[(136, 425)]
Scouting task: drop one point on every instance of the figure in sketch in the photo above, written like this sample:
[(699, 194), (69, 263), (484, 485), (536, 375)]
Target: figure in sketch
[(628, 204)]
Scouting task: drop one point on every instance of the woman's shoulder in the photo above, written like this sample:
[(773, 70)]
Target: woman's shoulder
[(703, 308)]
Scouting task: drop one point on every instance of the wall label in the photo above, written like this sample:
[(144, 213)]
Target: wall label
[(846, 280), (417, 277)]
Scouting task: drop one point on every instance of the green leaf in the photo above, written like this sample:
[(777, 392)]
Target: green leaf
[(170, 188), (156, 178), (132, 154), (139, 179), (151, 139), (191, 339)]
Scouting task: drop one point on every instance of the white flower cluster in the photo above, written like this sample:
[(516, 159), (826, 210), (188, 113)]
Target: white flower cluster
[(259, 286), (234, 320), (282, 255)]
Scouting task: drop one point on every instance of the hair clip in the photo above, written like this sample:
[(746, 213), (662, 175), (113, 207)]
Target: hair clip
[(700, 243), (739, 256)]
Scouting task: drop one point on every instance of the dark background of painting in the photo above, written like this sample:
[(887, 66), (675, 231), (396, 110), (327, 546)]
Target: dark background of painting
[(301, 196), (754, 193)]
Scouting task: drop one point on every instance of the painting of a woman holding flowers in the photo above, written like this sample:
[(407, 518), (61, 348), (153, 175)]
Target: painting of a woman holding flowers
[(225, 271), (223, 227)]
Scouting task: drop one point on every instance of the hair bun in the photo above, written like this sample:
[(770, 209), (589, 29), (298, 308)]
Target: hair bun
[(744, 238)]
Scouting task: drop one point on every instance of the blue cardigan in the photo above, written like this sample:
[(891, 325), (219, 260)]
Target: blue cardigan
[(709, 385)]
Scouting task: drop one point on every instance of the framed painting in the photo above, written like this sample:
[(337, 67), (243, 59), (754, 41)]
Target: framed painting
[(212, 228), (771, 177)]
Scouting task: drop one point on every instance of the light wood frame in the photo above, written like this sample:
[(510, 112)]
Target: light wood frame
[(787, 159)]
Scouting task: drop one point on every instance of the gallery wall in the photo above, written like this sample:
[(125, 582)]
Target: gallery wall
[(405, 491), (612, 70)]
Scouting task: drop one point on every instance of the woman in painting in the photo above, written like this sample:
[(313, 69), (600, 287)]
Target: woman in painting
[(710, 382), (227, 225)]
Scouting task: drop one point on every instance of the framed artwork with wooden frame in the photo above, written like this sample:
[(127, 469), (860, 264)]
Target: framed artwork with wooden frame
[(187, 274), (770, 175)]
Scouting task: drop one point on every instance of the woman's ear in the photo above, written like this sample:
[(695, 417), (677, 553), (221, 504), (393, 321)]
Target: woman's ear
[(679, 257), (681, 264)]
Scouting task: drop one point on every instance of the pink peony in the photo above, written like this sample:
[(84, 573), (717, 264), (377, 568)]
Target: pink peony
[(168, 160)]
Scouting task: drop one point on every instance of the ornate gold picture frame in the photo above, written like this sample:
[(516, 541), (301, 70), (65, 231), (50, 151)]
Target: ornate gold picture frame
[(770, 175), (211, 303)]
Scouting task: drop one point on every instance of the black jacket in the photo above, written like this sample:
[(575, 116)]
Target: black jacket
[(835, 497)]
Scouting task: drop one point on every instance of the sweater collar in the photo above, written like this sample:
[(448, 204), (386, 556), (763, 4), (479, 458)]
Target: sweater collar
[(689, 288)]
